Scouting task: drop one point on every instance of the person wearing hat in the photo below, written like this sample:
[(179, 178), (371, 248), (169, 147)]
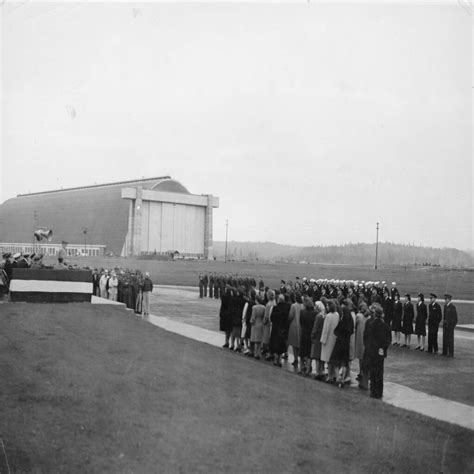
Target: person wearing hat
[(450, 319), (37, 262), (201, 285), (7, 267), (22, 261), (420, 322), (376, 342), (16, 256), (397, 318), (95, 282), (113, 284), (407, 320), (147, 288), (103, 284), (434, 318), (279, 332)]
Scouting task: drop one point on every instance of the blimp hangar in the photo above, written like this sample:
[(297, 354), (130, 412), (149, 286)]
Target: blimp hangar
[(128, 218)]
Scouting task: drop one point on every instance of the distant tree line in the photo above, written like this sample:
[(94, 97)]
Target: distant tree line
[(352, 253)]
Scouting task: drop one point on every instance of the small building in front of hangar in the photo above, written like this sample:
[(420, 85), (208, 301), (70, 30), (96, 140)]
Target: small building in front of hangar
[(128, 218)]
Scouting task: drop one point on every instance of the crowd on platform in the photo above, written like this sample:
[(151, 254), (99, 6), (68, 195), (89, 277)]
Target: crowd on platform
[(130, 287), (330, 322)]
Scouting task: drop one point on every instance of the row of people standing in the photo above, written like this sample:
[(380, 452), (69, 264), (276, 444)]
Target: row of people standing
[(125, 286), (407, 319), (323, 332), (213, 284)]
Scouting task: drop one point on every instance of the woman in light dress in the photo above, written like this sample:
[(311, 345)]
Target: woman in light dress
[(316, 339), (256, 322), (328, 339), (267, 323), (294, 331), (361, 318)]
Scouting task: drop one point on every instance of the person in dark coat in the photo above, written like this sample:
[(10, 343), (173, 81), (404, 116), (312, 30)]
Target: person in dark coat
[(375, 297), (434, 318), (307, 317), (237, 311), (8, 267), (387, 306), (95, 282), (341, 351), (407, 321), (397, 318), (201, 286), (225, 316), (420, 322), (211, 285), (450, 319), (205, 281), (217, 286), (376, 342), (279, 333)]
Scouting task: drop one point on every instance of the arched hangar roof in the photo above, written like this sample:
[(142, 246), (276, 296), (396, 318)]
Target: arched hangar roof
[(99, 210)]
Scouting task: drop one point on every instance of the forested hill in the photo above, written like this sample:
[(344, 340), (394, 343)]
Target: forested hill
[(358, 254)]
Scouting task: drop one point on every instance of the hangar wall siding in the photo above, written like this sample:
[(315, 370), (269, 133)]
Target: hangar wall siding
[(167, 226)]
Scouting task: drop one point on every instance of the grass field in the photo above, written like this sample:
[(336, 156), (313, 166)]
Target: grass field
[(460, 283), (95, 389)]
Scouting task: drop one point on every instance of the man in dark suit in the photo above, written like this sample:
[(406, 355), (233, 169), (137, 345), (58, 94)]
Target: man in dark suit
[(434, 318), (95, 282), (211, 284), (201, 285), (376, 341), (450, 320), (8, 265)]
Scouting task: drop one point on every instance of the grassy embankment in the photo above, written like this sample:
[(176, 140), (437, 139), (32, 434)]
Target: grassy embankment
[(94, 389)]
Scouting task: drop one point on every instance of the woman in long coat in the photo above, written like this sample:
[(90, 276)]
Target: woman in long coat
[(237, 309), (397, 318), (361, 318), (328, 338), (341, 352), (407, 320), (307, 317), (225, 316), (256, 321), (420, 322), (267, 322), (351, 307), (279, 333), (246, 326), (316, 339), (294, 335)]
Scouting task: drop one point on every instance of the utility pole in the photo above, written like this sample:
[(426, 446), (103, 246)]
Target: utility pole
[(377, 246), (226, 233)]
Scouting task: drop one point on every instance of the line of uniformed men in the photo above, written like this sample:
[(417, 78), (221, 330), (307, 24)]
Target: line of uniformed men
[(213, 284)]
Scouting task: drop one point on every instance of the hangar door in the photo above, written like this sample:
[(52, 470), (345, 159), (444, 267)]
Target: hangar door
[(167, 226)]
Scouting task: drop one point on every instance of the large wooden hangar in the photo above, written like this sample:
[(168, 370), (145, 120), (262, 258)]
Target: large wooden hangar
[(128, 218)]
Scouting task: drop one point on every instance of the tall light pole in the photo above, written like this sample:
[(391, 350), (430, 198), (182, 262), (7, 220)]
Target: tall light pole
[(226, 233), (377, 246)]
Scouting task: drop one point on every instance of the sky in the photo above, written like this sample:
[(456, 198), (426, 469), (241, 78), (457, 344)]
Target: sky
[(311, 122)]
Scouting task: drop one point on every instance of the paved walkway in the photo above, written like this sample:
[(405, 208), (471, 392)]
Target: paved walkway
[(394, 394)]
